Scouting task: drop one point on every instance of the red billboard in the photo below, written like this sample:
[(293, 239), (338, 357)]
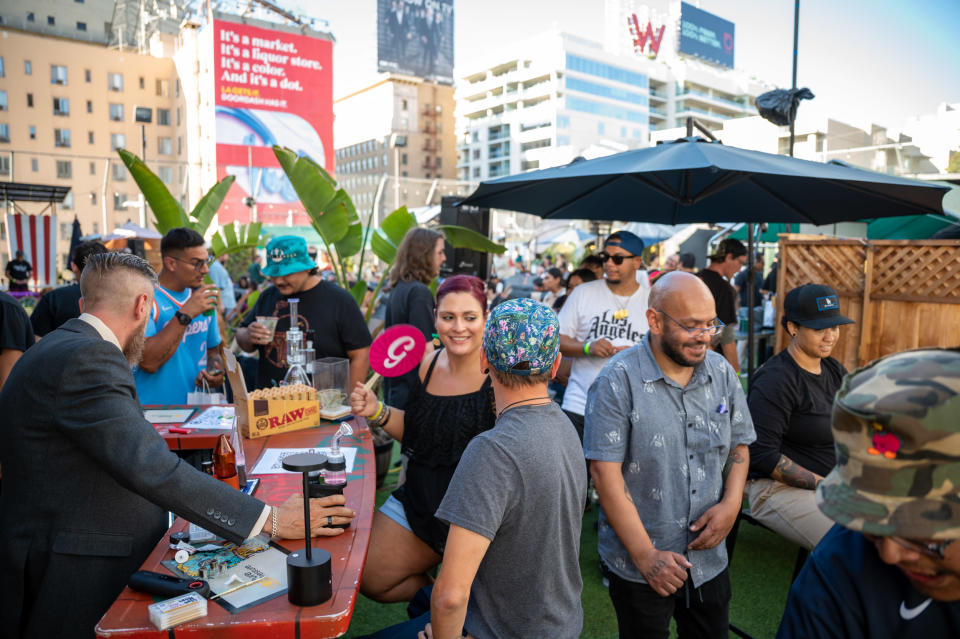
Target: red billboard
[(272, 87)]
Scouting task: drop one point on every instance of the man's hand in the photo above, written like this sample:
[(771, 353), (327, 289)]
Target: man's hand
[(259, 334), (663, 570), (602, 348), (290, 517), (214, 379), (203, 299), (715, 525)]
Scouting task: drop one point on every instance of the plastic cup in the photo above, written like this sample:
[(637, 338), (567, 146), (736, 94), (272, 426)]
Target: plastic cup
[(269, 323)]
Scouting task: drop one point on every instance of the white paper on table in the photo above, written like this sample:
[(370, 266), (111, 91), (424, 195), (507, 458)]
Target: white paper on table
[(271, 462), (167, 415), (209, 419)]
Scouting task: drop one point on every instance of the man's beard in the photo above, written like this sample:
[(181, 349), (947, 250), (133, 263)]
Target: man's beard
[(133, 349), (672, 350)]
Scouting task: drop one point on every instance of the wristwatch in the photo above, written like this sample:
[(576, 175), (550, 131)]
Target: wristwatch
[(183, 318)]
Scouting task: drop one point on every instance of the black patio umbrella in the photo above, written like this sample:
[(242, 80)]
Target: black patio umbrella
[(694, 180), (75, 236)]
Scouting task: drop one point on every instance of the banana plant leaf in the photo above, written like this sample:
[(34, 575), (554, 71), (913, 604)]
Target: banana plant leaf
[(462, 237), (209, 204), (385, 240), (167, 212), (317, 193)]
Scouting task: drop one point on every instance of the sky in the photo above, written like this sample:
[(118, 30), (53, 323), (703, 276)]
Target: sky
[(867, 61)]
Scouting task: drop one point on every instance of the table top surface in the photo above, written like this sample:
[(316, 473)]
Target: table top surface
[(128, 616)]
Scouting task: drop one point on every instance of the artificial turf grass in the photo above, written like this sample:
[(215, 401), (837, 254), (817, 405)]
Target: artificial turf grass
[(760, 579)]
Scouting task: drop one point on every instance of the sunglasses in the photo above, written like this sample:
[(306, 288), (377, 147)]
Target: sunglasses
[(934, 550), (617, 259)]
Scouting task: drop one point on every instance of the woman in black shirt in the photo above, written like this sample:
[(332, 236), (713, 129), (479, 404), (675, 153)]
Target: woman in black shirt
[(790, 400), (451, 402)]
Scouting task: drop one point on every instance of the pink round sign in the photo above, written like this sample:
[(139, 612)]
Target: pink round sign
[(397, 351)]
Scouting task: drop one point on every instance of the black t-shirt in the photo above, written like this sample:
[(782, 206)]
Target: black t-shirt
[(15, 330), (770, 283), (722, 295), (328, 316), (409, 303), (740, 279), (55, 308), (18, 269), (791, 410)]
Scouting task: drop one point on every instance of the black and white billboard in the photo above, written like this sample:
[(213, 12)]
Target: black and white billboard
[(415, 37)]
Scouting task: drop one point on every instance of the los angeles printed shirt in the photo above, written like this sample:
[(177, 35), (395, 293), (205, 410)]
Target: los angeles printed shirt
[(589, 315), (175, 378)]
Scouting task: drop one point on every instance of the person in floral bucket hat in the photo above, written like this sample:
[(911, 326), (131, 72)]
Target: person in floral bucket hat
[(891, 567), (515, 503)]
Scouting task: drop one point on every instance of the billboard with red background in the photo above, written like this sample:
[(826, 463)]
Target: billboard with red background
[(272, 87)]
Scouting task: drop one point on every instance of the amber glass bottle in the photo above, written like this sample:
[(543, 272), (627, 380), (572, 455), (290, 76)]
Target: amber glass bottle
[(225, 462)]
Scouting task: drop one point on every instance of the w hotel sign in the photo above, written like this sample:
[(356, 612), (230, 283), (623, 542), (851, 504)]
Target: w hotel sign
[(645, 38)]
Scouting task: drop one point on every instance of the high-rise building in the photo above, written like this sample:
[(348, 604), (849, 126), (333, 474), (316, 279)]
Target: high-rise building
[(395, 137)]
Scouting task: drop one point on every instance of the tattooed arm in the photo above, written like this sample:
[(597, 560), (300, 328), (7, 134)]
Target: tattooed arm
[(793, 474)]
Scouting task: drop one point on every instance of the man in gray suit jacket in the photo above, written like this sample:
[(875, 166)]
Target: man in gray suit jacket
[(87, 481)]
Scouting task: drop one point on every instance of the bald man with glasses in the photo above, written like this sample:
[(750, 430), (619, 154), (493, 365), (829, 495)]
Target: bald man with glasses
[(182, 331), (667, 435)]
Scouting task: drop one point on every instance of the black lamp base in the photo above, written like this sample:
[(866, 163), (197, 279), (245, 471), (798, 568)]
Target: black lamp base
[(309, 582)]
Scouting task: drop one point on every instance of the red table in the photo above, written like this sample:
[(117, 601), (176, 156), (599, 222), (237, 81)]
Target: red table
[(128, 616)]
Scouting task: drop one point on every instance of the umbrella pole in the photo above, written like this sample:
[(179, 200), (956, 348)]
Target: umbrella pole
[(751, 260)]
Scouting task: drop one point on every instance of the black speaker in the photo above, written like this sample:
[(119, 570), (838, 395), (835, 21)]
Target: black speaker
[(465, 261), (137, 248)]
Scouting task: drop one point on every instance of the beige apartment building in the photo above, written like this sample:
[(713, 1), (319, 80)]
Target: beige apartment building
[(399, 131), (65, 107)]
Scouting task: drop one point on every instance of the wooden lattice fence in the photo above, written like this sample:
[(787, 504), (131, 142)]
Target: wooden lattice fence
[(902, 293)]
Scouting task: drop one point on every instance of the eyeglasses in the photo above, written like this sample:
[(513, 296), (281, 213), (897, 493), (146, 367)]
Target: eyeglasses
[(934, 550), (712, 329), (617, 259), (197, 264)]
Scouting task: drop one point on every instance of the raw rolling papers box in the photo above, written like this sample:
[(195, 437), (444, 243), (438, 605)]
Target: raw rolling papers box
[(270, 411)]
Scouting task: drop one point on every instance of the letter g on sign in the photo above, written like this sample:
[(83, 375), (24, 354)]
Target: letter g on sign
[(397, 351)]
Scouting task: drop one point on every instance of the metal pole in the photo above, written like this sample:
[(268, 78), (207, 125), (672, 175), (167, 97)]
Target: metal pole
[(396, 177), (143, 156), (751, 261), (796, 35)]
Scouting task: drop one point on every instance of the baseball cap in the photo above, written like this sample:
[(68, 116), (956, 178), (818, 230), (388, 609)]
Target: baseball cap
[(522, 331), (897, 439), (814, 306), (625, 240), (727, 247), (287, 254)]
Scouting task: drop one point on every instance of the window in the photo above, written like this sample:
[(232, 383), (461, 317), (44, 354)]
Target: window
[(178, 116), (61, 137), (165, 146), (2, 68), (27, 68), (93, 200), (67, 201), (116, 112), (4, 165), (31, 17), (403, 104), (118, 171), (81, 26), (34, 165), (61, 106), (601, 129), (3, 100), (30, 100), (118, 200), (403, 159), (606, 110), (163, 117), (179, 145), (51, 21), (89, 106), (166, 174), (117, 141), (64, 169), (115, 82), (593, 88), (163, 88), (89, 137), (58, 74), (87, 76), (33, 132), (143, 82), (93, 170), (609, 72)]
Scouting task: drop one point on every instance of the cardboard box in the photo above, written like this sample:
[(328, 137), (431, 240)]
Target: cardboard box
[(262, 417)]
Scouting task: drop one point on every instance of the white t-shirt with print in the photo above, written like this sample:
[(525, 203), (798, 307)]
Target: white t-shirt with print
[(588, 315)]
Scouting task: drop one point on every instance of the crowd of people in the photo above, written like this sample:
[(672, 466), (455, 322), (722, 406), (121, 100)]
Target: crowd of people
[(533, 387)]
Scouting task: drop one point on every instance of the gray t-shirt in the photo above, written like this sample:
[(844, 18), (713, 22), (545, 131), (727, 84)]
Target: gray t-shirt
[(522, 486), (672, 443)]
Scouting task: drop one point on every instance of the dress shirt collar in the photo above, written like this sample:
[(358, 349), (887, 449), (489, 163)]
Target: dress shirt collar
[(101, 328)]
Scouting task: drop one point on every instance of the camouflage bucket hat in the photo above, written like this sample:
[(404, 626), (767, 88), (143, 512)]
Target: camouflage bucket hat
[(896, 426), (522, 332)]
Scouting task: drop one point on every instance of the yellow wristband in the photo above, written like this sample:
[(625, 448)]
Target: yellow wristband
[(378, 412)]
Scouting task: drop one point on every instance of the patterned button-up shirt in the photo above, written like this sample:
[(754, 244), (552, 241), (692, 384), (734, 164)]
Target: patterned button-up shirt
[(673, 443)]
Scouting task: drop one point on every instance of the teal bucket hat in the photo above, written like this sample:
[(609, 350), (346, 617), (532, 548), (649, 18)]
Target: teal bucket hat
[(285, 255)]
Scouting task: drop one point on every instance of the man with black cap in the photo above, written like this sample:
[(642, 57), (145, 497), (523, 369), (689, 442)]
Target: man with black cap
[(602, 318), (892, 566), (790, 400), (729, 258)]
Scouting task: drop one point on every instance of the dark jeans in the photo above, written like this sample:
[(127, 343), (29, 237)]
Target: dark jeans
[(419, 612), (702, 612)]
